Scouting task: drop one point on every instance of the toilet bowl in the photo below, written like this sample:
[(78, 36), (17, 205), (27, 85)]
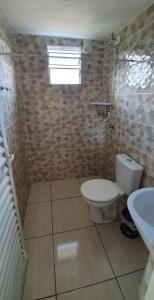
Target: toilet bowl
[(102, 195)]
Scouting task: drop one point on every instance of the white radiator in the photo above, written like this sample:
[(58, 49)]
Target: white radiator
[(12, 252)]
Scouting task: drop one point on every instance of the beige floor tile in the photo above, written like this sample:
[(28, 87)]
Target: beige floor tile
[(40, 272), (50, 298), (103, 291), (80, 259), (65, 188), (39, 192), (38, 220), (83, 179), (125, 255), (130, 285), (70, 214)]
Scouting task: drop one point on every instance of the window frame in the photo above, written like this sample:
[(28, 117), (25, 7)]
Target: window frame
[(68, 53)]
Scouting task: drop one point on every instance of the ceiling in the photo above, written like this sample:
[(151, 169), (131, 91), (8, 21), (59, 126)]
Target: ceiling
[(94, 19)]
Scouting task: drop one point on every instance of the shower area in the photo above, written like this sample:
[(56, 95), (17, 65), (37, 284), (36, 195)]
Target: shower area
[(63, 134)]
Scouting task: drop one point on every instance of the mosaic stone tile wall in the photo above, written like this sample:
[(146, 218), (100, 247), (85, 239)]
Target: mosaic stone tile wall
[(10, 108), (131, 89), (64, 135)]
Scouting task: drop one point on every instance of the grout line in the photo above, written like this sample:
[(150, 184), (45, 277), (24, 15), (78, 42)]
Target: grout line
[(70, 230), (40, 181), (55, 233), (77, 196), (30, 203), (123, 275), (77, 289), (48, 297), (53, 246), (110, 262), (37, 237), (89, 285), (85, 286)]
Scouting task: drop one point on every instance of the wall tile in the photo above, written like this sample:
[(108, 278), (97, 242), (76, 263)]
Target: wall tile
[(10, 109), (61, 126)]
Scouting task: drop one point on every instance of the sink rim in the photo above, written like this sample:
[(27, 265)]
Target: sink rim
[(146, 230)]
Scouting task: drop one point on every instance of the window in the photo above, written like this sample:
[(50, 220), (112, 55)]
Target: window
[(64, 65)]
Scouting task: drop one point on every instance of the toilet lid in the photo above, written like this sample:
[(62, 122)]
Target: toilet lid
[(99, 190)]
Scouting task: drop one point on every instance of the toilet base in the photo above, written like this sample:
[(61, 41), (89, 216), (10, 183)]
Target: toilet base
[(106, 214)]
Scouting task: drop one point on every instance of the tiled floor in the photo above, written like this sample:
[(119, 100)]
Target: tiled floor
[(69, 257)]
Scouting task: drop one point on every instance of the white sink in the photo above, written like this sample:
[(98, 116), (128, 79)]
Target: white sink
[(141, 207)]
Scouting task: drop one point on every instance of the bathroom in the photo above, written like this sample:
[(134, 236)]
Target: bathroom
[(76, 103)]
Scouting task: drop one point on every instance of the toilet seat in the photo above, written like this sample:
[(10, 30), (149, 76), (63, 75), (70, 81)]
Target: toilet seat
[(99, 191)]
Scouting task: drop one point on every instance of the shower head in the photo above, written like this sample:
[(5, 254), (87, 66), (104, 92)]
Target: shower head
[(115, 37), (87, 47)]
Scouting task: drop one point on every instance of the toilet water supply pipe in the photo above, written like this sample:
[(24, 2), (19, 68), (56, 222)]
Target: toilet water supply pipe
[(107, 121)]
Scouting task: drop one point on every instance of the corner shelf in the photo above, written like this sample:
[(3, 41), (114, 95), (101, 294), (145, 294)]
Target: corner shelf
[(101, 103)]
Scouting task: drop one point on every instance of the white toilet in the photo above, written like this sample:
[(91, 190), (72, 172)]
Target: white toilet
[(102, 195)]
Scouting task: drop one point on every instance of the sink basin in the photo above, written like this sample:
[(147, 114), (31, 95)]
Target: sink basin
[(141, 207)]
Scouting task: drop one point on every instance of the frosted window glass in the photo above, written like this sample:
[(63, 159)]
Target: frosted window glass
[(64, 76), (64, 65)]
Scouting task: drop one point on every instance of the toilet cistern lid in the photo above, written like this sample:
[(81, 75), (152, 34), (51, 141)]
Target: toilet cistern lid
[(99, 190)]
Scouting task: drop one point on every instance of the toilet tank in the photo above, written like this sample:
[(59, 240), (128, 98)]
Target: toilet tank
[(128, 173)]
